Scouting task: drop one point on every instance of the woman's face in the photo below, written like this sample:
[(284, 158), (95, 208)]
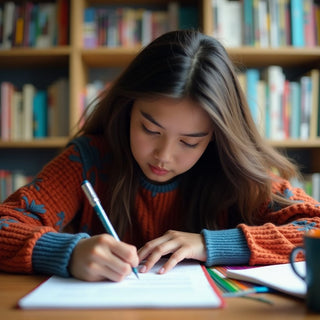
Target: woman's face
[(168, 136)]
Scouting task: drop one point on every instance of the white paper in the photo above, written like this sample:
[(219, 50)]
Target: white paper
[(279, 277), (185, 286)]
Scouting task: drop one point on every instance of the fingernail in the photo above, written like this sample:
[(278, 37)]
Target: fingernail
[(143, 269), (162, 270)]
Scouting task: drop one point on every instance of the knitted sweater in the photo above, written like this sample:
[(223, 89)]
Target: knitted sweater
[(34, 219)]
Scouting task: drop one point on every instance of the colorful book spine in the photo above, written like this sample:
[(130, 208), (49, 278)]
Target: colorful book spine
[(297, 25), (252, 76), (40, 116)]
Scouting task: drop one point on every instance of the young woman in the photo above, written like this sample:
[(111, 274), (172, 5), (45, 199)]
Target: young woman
[(175, 157)]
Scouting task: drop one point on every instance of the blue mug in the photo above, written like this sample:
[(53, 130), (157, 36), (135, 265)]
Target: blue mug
[(311, 251)]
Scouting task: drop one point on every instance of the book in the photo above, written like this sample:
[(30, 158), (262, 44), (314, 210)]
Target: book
[(89, 28), (314, 119), (275, 78), (297, 23), (62, 22), (40, 117), (228, 22), (252, 76), (58, 108), (263, 22), (28, 92), (187, 285), (8, 23), (306, 91), (274, 23), (232, 287), (6, 93), (309, 23), (17, 116), (295, 109), (248, 27), (279, 277), (46, 25), (19, 26)]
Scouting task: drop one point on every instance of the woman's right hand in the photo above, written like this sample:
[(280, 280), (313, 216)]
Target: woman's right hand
[(102, 257)]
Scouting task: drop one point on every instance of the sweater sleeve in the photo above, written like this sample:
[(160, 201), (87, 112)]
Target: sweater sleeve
[(280, 229), (276, 232), (52, 252), (32, 217), (226, 247)]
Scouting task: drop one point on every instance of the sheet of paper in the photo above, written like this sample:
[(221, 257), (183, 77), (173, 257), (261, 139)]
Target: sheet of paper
[(279, 277), (185, 286)]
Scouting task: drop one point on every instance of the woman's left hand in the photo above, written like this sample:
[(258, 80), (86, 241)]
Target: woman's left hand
[(182, 245)]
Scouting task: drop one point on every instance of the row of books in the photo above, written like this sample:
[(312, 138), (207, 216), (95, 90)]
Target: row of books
[(11, 181), (283, 108), (129, 26), (30, 113), (267, 23), (34, 24)]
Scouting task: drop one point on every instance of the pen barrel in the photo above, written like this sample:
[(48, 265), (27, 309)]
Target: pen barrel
[(105, 220)]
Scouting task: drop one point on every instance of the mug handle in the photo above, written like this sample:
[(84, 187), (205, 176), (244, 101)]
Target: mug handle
[(293, 256)]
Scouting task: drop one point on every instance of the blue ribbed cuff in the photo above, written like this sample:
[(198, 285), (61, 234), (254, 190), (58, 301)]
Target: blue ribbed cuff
[(52, 252), (226, 247)]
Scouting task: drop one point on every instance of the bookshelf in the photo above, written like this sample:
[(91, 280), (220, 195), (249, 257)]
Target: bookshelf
[(76, 61)]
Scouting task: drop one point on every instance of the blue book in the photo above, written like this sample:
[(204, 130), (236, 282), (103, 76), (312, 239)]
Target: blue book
[(249, 27), (40, 114), (89, 28), (297, 23), (252, 78)]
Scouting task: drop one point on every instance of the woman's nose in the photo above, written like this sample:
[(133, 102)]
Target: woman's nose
[(164, 151)]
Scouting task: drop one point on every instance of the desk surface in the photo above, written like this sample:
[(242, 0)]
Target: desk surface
[(14, 287)]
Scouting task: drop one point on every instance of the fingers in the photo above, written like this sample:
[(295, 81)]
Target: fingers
[(102, 257), (161, 250), (180, 245)]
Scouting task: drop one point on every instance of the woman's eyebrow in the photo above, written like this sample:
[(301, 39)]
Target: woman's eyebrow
[(151, 119), (194, 135)]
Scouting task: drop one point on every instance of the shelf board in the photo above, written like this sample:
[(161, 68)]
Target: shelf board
[(43, 143), (107, 57), (242, 56), (295, 143), (38, 57), (283, 56)]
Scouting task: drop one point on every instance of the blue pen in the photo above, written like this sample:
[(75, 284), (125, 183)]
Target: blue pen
[(95, 202)]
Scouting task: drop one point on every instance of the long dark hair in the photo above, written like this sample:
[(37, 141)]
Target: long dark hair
[(234, 171)]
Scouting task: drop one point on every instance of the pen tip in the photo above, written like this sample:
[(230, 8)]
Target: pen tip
[(135, 271)]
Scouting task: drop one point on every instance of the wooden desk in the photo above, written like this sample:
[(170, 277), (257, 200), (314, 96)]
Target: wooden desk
[(14, 287)]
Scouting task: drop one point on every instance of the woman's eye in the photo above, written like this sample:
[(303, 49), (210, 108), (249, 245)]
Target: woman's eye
[(190, 145), (145, 129)]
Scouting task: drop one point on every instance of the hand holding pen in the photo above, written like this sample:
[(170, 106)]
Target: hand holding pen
[(96, 204)]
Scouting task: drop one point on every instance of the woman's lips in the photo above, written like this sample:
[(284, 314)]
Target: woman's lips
[(158, 171)]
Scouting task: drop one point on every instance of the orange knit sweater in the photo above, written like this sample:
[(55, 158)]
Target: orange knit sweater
[(34, 220)]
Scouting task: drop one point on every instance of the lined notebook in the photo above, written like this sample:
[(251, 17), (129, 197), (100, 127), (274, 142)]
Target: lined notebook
[(279, 277), (188, 285)]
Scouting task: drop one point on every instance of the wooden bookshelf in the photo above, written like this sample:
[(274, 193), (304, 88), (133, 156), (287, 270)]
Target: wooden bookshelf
[(78, 60)]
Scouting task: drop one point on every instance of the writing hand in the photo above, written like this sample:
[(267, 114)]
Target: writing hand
[(102, 257), (182, 245)]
